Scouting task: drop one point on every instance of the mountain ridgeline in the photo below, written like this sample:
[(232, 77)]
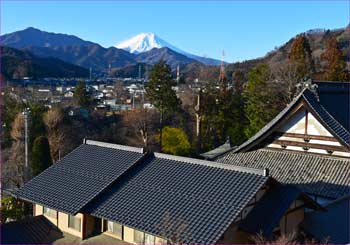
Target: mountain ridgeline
[(87, 54), (147, 49)]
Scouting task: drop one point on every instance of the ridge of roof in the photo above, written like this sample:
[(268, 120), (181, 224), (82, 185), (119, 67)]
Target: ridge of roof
[(114, 146), (263, 172)]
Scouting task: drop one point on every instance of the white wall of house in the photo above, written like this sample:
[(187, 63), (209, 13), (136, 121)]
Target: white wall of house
[(61, 220), (130, 235), (301, 123)]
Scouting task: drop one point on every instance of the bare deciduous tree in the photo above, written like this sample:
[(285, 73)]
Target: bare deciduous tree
[(53, 120), (287, 75), (142, 120), (14, 168), (283, 239), (290, 238), (18, 128)]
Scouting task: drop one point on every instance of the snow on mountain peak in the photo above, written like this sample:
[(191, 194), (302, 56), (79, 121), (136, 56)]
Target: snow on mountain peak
[(144, 42)]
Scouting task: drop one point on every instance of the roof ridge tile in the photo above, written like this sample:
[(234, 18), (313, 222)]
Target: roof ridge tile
[(115, 146), (206, 163)]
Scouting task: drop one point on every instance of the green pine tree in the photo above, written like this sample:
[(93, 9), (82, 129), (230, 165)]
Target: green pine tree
[(41, 157), (262, 100), (238, 120), (81, 95), (160, 92)]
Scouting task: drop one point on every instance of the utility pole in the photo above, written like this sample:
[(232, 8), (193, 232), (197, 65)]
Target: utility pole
[(26, 117), (222, 76), (198, 112), (146, 73), (178, 75), (139, 71), (143, 93)]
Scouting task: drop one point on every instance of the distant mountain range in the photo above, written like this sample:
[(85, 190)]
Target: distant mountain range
[(19, 64), (87, 54), (146, 49)]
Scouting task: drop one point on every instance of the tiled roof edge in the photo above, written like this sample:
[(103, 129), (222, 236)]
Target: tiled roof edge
[(334, 120), (114, 146), (340, 199), (263, 172), (269, 125)]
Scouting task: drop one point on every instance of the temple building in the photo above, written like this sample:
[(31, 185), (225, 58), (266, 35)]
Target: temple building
[(307, 145)]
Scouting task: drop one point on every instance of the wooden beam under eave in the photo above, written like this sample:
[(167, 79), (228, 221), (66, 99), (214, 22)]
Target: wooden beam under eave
[(311, 145), (305, 136)]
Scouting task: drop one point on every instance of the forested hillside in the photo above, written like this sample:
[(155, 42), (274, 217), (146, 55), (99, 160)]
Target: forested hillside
[(18, 64)]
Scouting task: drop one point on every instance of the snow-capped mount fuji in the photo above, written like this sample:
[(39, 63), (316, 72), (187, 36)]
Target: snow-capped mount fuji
[(147, 41), (144, 42)]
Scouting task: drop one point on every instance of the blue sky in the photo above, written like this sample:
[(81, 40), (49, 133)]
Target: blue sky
[(244, 30)]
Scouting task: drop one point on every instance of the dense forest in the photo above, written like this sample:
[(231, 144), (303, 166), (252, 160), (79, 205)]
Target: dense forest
[(16, 64)]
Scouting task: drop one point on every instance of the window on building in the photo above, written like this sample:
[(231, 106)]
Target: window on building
[(149, 239), (160, 241), (74, 222), (115, 228), (139, 237), (49, 212)]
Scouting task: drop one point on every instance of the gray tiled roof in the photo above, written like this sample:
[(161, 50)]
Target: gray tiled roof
[(333, 94), (218, 150), (31, 230), (267, 213), (334, 224), (171, 196), (335, 127), (79, 177), (319, 175)]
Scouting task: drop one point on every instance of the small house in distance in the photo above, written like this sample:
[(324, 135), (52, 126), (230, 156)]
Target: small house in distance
[(152, 198)]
